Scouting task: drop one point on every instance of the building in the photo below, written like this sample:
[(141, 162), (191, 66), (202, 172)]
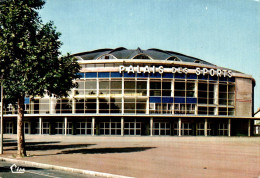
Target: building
[(257, 122), (144, 92)]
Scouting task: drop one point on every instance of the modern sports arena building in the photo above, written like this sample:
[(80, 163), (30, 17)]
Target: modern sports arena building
[(144, 92)]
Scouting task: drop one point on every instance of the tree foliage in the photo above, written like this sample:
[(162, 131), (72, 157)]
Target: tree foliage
[(30, 61)]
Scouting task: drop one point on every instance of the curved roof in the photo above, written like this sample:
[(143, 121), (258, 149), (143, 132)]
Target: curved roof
[(149, 54)]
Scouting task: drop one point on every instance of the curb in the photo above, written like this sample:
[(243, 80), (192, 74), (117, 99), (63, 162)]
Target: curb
[(61, 168)]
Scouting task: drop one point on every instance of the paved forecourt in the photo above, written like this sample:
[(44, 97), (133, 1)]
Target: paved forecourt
[(146, 156)]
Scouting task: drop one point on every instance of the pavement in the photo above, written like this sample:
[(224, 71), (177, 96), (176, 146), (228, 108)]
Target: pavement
[(10, 170), (142, 156)]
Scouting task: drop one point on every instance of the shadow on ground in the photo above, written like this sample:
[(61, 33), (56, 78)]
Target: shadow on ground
[(106, 150), (27, 143), (44, 146), (5, 169)]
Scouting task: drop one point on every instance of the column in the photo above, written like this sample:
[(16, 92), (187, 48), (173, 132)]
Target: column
[(73, 105), (206, 127), (122, 126), (40, 125), (179, 128), (65, 125), (148, 94), (123, 98), (229, 127), (93, 126), (151, 126), (249, 127)]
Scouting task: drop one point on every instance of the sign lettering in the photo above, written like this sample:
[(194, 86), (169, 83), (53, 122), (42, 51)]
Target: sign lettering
[(180, 70)]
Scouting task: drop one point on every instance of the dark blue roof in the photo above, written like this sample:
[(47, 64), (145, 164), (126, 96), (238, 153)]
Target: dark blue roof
[(156, 54)]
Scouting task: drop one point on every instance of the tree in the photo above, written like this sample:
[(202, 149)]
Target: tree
[(30, 61)]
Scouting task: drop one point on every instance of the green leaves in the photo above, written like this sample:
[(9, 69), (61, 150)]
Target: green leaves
[(30, 53)]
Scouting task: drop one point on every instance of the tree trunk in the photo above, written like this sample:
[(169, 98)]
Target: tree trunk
[(21, 152)]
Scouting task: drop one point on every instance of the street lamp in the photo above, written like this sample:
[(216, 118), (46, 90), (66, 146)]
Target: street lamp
[(1, 122)]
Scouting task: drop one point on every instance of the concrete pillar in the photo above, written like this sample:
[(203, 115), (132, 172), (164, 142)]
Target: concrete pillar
[(93, 126), (40, 125), (65, 125), (249, 127), (151, 126), (73, 105), (122, 126), (229, 127), (179, 124), (123, 98), (206, 127)]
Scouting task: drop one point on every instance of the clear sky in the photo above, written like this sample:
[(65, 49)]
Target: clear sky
[(223, 32)]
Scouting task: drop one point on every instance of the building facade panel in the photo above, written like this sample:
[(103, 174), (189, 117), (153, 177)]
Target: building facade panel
[(244, 97), (173, 95)]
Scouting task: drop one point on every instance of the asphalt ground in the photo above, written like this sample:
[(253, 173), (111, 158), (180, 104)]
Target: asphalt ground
[(146, 156), (35, 172)]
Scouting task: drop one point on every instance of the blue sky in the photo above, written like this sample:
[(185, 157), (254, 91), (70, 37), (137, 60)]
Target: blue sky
[(226, 33)]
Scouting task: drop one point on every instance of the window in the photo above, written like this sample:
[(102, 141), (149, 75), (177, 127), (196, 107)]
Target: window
[(84, 128), (166, 89), (116, 88), (222, 111), (141, 88), (141, 56), (90, 87), (129, 89), (167, 108), (223, 129), (80, 105), (161, 128), (173, 58), (190, 89), (132, 128), (135, 105), (115, 105), (8, 127), (45, 127), (186, 129), (90, 105), (200, 128), (207, 97), (69, 128), (35, 106), (107, 56), (190, 108), (64, 106), (27, 127), (104, 88), (155, 88), (110, 128), (129, 105), (223, 94), (179, 108), (210, 130), (104, 104), (44, 106), (179, 88), (59, 128)]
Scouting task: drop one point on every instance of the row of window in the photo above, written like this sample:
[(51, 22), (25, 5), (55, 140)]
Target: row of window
[(128, 105), (130, 128), (167, 96), (101, 75)]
